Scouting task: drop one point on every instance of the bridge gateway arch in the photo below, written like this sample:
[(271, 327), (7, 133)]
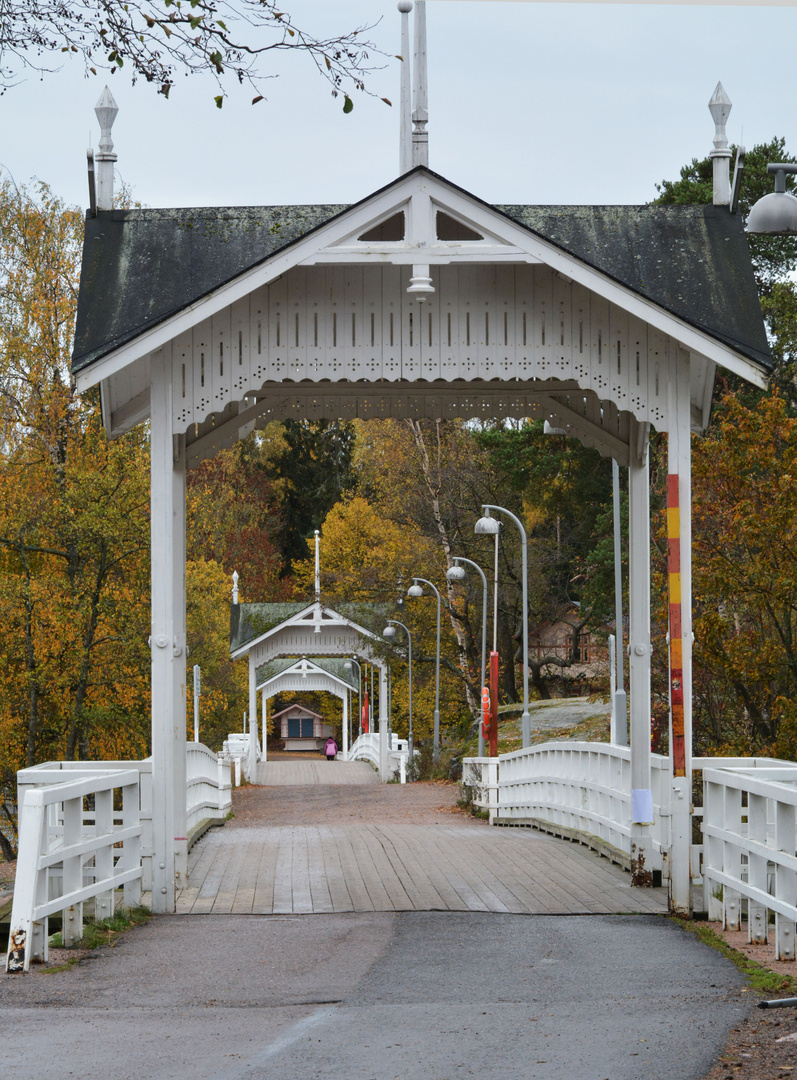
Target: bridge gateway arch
[(420, 300)]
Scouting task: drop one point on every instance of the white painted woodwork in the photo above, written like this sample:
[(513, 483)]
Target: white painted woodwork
[(68, 855), (303, 676), (343, 324), (169, 663), (749, 850), (639, 648), (679, 462), (584, 787)]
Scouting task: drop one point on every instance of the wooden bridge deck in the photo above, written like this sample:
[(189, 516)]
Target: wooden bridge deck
[(314, 771), (266, 869)]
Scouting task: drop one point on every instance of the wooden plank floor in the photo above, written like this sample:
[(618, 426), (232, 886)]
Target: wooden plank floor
[(314, 771), (293, 869)]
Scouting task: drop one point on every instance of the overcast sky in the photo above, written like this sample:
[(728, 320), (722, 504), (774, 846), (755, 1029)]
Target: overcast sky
[(528, 102)]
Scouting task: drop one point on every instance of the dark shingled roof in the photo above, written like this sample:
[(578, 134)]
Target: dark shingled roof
[(248, 622), (142, 266), (331, 665)]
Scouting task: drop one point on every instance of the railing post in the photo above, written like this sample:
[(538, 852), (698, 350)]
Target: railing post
[(713, 815), (732, 860), (103, 858), (131, 848), (72, 917), (28, 941), (785, 881), (757, 916), (680, 847), (491, 788)]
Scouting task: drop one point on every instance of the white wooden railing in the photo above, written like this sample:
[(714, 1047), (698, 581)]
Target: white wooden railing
[(749, 820), (366, 748), (583, 788), (85, 831), (73, 852), (750, 840), (208, 787)]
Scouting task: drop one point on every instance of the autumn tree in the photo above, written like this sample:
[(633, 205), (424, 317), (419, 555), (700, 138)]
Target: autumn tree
[(73, 514), (745, 576), (235, 514), (158, 39)]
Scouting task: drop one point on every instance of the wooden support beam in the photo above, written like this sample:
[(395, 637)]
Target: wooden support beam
[(167, 503), (639, 665)]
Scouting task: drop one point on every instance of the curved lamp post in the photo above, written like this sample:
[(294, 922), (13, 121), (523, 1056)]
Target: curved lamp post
[(488, 526), (347, 665), (390, 632), (416, 590), (456, 573)]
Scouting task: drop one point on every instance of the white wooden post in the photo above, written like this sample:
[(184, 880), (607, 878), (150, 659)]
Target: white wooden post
[(251, 759), (732, 859), (264, 711), (785, 881), (639, 662), (345, 696), (383, 726), (72, 916), (167, 498), (131, 848), (28, 940), (757, 915), (679, 463), (103, 859)]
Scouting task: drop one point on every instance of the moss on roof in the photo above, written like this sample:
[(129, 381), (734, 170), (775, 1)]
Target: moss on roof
[(140, 267)]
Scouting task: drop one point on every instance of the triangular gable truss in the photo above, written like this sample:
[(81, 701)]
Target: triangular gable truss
[(306, 672), (516, 326), (316, 629)]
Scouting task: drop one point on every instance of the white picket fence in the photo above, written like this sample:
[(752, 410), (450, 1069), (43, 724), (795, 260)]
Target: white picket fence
[(85, 831)]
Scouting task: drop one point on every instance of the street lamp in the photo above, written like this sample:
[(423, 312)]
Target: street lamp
[(487, 526), (390, 632), (347, 666), (775, 214), (416, 590), (456, 573)]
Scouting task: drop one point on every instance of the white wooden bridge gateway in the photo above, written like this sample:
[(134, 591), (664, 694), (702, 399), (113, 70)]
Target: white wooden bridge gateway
[(419, 300)]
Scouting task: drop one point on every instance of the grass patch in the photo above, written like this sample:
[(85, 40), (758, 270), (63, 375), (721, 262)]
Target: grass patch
[(760, 978), (97, 935)]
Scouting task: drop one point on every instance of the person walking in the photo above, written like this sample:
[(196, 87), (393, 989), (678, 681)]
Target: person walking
[(331, 749)]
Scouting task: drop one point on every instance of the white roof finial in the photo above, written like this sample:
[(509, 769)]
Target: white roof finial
[(405, 113), (420, 111), (720, 109), (235, 586), (105, 110)]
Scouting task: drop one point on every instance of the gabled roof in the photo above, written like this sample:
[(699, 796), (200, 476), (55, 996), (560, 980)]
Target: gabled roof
[(141, 267), (296, 707), (249, 623), (325, 664)]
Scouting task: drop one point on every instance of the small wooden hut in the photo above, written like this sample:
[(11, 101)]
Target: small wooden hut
[(303, 729)]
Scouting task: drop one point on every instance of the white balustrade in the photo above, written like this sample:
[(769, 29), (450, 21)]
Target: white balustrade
[(208, 786), (584, 788), (749, 816), (366, 748), (69, 854), (480, 776)]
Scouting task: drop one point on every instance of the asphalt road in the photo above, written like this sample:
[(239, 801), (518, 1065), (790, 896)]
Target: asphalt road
[(420, 995)]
